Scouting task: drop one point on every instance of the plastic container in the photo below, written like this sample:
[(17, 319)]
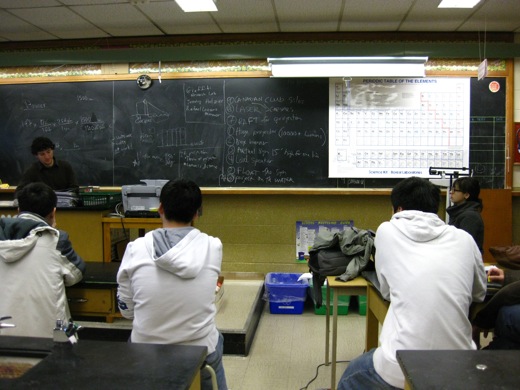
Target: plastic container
[(100, 199), (285, 294), (343, 302)]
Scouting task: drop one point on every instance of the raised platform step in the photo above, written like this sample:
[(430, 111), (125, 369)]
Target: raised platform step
[(239, 313)]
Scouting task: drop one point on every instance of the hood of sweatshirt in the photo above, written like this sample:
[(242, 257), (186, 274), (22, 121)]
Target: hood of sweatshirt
[(181, 251), (19, 235), (418, 226)]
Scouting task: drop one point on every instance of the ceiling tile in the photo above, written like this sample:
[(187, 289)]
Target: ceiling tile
[(426, 16), (172, 20), (374, 15), (308, 15), (244, 16), (98, 2), (59, 21), (118, 19), (28, 3), (27, 20), (495, 16), (15, 29)]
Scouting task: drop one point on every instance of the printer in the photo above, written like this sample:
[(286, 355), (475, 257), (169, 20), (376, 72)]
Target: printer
[(142, 200)]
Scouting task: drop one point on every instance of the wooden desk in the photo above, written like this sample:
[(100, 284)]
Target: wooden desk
[(376, 313), (357, 286), (124, 223), (439, 369), (95, 295)]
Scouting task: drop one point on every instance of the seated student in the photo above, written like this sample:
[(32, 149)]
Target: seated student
[(37, 261), (430, 272), (502, 312), (167, 280), (57, 174), (465, 213)]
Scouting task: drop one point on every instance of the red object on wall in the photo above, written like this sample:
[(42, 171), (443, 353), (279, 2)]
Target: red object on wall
[(517, 142)]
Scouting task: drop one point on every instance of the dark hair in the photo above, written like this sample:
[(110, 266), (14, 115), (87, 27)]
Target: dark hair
[(41, 143), (181, 199), (36, 198), (415, 193), (469, 185)]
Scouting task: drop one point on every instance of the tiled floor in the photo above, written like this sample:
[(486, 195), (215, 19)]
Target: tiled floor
[(288, 349)]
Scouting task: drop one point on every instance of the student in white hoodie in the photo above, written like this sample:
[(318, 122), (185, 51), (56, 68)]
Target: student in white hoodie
[(37, 262), (431, 273), (167, 280)]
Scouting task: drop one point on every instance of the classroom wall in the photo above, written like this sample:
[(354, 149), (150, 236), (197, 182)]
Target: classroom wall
[(259, 231)]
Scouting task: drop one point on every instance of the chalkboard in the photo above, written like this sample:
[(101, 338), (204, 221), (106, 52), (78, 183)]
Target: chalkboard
[(487, 146), (217, 132), (240, 132)]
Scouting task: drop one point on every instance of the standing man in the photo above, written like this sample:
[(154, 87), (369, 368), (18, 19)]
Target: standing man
[(430, 272), (57, 174), (37, 261), (167, 280)]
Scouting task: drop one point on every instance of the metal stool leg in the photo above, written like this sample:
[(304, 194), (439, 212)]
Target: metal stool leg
[(211, 371)]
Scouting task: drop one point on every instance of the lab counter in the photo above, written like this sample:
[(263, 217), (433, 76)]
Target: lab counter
[(99, 365)]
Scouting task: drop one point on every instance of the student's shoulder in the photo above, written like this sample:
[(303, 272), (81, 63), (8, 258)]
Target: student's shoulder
[(384, 228), (213, 240)]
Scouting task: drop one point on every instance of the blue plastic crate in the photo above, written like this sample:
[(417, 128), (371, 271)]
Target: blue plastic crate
[(286, 295)]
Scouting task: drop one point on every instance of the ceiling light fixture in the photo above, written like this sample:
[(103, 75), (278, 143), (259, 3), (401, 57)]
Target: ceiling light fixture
[(348, 66), (458, 3), (197, 5)]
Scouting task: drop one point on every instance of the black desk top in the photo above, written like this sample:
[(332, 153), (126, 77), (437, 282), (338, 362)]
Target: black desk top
[(425, 370), (102, 365), (99, 275)]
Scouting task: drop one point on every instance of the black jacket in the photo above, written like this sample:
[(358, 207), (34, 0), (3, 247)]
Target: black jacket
[(466, 216)]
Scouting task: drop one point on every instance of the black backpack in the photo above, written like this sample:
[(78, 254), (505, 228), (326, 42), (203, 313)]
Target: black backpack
[(326, 262)]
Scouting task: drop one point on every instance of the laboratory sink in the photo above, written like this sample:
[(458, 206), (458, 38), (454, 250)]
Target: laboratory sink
[(16, 364), (18, 356)]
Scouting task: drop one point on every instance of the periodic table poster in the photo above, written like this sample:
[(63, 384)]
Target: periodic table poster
[(397, 127)]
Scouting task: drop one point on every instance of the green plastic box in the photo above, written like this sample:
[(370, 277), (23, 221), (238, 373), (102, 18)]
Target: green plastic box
[(343, 302), (362, 301)]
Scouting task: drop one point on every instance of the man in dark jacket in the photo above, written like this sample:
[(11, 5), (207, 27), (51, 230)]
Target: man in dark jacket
[(57, 174)]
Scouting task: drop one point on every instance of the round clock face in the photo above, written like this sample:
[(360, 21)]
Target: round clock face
[(144, 81)]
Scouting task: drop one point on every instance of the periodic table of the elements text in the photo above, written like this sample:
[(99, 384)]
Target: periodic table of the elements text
[(397, 127)]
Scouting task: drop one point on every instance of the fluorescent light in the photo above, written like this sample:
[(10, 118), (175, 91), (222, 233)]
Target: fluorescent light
[(348, 66), (197, 5), (458, 3)]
